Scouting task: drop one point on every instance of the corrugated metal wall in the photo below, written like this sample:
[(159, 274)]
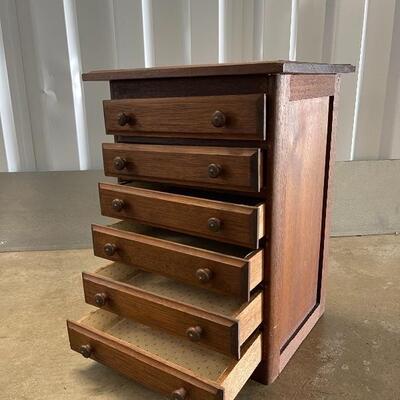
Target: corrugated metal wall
[(50, 121)]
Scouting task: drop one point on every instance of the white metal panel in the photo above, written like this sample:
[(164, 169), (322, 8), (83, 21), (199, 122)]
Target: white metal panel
[(128, 29), (3, 157), (6, 113), (293, 30), (48, 83), (277, 29), (378, 43), (235, 30), (16, 80), (169, 28), (342, 39), (75, 64), (40, 101), (204, 31), (310, 30), (258, 30), (148, 32), (360, 78), (251, 28), (390, 139), (98, 51)]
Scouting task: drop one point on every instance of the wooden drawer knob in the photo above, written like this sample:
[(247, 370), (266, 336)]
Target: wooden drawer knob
[(218, 119), (214, 170), (214, 224), (100, 299), (179, 394), (124, 119), (110, 249), (86, 350), (119, 163), (204, 275), (117, 204), (194, 333)]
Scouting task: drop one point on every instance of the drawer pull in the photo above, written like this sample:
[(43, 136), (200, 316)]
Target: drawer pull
[(119, 163), (110, 249), (214, 170), (100, 299), (214, 224), (179, 394), (218, 119), (204, 275), (117, 204), (124, 119), (86, 350), (194, 333)]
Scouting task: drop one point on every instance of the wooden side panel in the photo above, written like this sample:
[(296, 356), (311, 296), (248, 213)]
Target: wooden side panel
[(298, 182), (250, 317), (235, 378), (302, 202), (311, 86), (188, 116)]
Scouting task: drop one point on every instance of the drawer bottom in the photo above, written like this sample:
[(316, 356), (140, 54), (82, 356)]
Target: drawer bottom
[(161, 361)]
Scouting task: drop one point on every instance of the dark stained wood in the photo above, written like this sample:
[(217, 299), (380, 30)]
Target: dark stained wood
[(272, 67), (230, 274), (188, 165), (188, 117), (145, 368), (260, 144), (303, 202), (276, 102), (186, 86), (297, 172), (310, 86), (328, 194), (303, 331), (224, 333), (288, 168), (240, 224)]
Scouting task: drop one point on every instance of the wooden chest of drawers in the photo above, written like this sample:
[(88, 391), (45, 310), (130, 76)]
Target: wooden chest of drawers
[(218, 264)]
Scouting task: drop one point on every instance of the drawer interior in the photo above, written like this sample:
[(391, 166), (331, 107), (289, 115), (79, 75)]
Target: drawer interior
[(201, 361), (162, 361), (185, 239), (202, 194), (171, 289)]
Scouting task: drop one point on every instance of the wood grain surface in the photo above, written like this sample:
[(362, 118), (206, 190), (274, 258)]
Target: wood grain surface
[(144, 367), (188, 117), (263, 67), (240, 224), (224, 333), (229, 274), (186, 165)]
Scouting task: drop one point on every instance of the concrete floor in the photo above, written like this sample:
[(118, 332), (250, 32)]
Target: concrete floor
[(353, 352)]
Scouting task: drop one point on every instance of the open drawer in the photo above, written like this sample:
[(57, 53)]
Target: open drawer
[(222, 268), (160, 361), (220, 322)]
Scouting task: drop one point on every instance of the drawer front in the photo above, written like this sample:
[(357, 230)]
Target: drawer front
[(146, 369), (214, 117), (237, 169), (224, 334), (207, 269), (226, 222)]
